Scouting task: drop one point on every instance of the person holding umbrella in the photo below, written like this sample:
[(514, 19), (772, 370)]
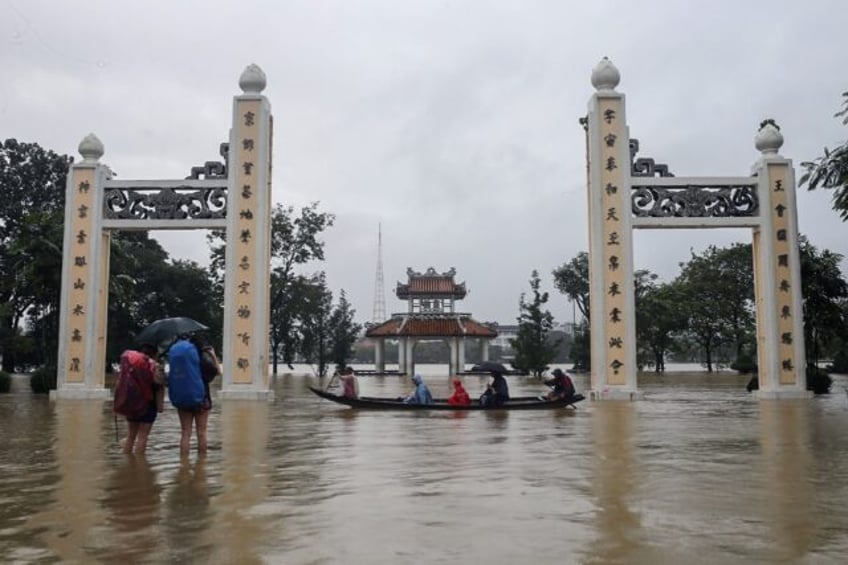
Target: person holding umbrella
[(497, 392)]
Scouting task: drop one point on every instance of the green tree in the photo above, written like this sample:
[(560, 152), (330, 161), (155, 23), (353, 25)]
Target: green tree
[(717, 298), (343, 331), (534, 351), (32, 189), (825, 293), (145, 284), (831, 169), (572, 280), (315, 329), (659, 319), (295, 241)]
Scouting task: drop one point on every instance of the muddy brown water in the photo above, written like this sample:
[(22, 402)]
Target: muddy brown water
[(696, 472)]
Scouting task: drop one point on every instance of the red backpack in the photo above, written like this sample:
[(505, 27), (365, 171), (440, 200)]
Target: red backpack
[(134, 387)]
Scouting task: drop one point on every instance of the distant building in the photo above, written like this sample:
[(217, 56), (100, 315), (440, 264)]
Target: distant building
[(431, 315)]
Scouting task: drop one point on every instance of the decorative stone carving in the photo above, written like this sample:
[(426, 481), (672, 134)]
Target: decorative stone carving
[(691, 201), (644, 166), (605, 76), (91, 149), (768, 139), (213, 169), (165, 204), (252, 80)]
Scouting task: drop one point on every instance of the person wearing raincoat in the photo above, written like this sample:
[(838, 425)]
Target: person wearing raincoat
[(421, 394), (460, 395)]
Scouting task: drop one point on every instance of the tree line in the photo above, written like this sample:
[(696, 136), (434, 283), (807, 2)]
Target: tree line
[(145, 283)]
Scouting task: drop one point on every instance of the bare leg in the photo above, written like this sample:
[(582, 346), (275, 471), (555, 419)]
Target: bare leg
[(186, 418), (143, 434), (132, 432), (201, 420)]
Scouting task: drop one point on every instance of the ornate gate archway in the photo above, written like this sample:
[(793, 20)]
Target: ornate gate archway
[(234, 195), (627, 193)]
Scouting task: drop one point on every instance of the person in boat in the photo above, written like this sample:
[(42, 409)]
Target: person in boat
[(497, 392), (460, 395), (561, 385), (350, 386), (421, 394)]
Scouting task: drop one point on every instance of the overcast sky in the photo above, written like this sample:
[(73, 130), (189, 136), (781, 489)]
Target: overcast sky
[(453, 124)]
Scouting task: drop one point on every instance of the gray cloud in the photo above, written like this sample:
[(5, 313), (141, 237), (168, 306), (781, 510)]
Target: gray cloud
[(454, 124)]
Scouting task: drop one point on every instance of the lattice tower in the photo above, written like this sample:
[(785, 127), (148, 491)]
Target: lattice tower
[(379, 314)]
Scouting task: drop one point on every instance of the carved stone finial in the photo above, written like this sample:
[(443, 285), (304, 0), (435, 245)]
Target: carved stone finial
[(252, 80), (91, 148), (768, 139), (605, 76)]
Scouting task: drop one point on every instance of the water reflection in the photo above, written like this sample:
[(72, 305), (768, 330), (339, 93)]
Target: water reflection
[(784, 427), (615, 473), (188, 512), (695, 473)]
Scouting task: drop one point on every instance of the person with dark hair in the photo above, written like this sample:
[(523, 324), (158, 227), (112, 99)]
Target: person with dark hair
[(497, 392), (561, 384)]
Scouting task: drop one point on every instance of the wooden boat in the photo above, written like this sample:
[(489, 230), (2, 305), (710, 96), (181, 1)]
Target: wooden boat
[(518, 403)]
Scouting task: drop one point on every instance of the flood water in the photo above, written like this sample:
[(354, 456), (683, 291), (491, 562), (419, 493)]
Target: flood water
[(697, 472)]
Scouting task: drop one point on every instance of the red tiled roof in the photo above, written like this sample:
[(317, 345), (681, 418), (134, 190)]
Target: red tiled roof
[(430, 286), (430, 327)]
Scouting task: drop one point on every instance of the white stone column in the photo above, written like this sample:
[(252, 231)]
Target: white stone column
[(452, 356), (410, 355), (460, 358), (485, 346), (613, 347), (380, 355), (777, 274), (85, 290), (402, 355), (248, 278)]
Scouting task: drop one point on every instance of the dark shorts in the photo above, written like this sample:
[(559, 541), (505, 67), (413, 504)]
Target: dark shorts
[(148, 417)]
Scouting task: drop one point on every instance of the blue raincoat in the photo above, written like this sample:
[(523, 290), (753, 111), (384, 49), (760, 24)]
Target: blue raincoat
[(421, 394)]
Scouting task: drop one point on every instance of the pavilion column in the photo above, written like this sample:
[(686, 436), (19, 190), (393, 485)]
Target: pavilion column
[(248, 277), (410, 356), (777, 275), (613, 347), (85, 280), (460, 358), (380, 355), (485, 347), (402, 355), (452, 357)]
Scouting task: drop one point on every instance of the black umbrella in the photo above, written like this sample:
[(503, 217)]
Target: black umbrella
[(491, 367), (167, 329)]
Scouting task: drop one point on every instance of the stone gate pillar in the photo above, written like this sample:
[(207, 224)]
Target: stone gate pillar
[(81, 363), (777, 274), (248, 255), (613, 324)]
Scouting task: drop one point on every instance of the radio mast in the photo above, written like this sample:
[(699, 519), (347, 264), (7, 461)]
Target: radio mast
[(379, 314)]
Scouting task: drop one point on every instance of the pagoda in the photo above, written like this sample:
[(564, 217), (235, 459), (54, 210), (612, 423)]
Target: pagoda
[(431, 315)]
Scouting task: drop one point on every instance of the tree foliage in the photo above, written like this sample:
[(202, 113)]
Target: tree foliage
[(830, 170), (572, 279), (32, 201), (295, 241), (534, 350), (717, 299), (825, 296), (344, 331)]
